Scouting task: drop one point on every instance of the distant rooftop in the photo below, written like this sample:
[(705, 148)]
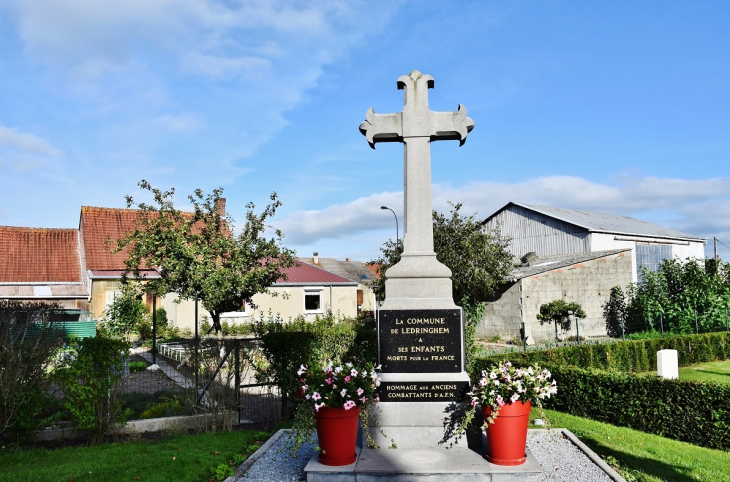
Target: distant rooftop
[(352, 270), (557, 261), (605, 223)]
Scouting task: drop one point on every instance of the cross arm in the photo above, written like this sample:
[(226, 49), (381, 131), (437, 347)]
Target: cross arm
[(451, 125), (382, 127)]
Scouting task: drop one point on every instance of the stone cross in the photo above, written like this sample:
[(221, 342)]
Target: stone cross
[(416, 127)]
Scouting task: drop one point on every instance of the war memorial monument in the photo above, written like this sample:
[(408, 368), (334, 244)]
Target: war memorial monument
[(420, 329)]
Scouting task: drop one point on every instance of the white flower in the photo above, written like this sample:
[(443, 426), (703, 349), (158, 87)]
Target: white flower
[(343, 392), (338, 369), (353, 373), (316, 396), (302, 369), (360, 391)]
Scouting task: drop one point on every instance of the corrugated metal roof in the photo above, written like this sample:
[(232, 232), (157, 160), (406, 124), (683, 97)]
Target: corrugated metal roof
[(557, 261), (605, 223)]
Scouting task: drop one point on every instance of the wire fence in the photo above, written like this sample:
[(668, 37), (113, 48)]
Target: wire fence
[(192, 376), (538, 335)]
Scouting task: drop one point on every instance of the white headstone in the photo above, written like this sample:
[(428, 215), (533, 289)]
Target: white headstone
[(667, 364)]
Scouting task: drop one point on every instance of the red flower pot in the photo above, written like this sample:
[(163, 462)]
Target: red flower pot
[(507, 436), (337, 433)]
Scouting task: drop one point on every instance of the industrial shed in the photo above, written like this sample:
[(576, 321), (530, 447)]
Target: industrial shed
[(585, 278), (549, 231)]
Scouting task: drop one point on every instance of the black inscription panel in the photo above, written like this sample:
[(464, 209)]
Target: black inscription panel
[(420, 341), (422, 391)]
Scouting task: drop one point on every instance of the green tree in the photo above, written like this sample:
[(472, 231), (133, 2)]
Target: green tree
[(558, 311), (678, 291), (615, 312), (197, 254), (478, 260), (126, 312)]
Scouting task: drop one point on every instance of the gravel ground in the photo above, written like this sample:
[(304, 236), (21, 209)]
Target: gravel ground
[(560, 459)]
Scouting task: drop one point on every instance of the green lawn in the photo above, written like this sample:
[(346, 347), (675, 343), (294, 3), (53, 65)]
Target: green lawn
[(176, 458), (645, 457), (712, 372)]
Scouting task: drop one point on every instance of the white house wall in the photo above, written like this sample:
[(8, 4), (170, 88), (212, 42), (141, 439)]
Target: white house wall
[(680, 249)]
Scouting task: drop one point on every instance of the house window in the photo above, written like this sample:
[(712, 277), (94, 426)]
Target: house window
[(110, 297), (313, 300), (650, 256)]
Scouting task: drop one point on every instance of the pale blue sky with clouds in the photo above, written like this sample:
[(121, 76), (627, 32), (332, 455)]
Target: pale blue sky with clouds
[(619, 107)]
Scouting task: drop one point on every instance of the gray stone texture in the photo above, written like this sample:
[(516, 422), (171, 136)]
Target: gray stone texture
[(585, 278)]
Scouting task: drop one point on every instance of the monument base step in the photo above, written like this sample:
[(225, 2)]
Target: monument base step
[(423, 464)]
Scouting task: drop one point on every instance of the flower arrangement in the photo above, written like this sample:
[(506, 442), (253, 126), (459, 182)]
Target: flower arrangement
[(344, 386), (347, 386), (505, 384)]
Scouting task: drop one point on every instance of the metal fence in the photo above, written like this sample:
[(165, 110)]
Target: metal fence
[(192, 376)]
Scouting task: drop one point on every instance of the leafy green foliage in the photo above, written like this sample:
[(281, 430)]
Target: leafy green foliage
[(614, 312), (88, 379), (168, 407), (28, 343), (559, 312), (287, 346), (126, 312), (629, 356), (679, 291), (478, 260), (137, 366), (197, 254), (691, 411)]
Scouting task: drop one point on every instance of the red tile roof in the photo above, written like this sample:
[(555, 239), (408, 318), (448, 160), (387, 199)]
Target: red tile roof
[(98, 225), (307, 274), (39, 254)]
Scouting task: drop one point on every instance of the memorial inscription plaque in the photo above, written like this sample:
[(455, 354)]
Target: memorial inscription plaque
[(420, 341), (422, 391)]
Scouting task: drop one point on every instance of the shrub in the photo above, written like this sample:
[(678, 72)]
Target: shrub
[(287, 346), (88, 380), (628, 356), (28, 342), (690, 411), (168, 407), (125, 313), (137, 366)]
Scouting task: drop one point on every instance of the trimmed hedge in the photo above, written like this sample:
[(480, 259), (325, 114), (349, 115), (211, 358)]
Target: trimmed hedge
[(287, 346), (690, 411), (628, 356)]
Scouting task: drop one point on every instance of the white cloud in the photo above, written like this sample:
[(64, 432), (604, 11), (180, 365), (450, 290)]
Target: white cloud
[(699, 207), (25, 142), (178, 123), (217, 67)]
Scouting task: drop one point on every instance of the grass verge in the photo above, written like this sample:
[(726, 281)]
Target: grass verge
[(718, 371), (179, 458), (643, 457)]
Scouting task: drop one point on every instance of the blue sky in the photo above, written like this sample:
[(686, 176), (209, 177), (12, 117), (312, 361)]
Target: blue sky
[(620, 107)]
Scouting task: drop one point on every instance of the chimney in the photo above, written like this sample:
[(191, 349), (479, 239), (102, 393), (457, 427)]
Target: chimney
[(316, 257), (348, 259), (220, 206)]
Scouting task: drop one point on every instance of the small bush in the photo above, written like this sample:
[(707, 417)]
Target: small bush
[(168, 407), (88, 379), (137, 366), (290, 345), (28, 343)]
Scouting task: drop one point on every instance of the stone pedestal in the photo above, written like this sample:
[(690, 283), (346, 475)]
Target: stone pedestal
[(667, 363)]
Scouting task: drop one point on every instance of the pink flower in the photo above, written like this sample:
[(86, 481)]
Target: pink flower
[(328, 381), (473, 402), (482, 382), (347, 378), (515, 397), (316, 396), (349, 404), (363, 399), (360, 391), (500, 401)]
